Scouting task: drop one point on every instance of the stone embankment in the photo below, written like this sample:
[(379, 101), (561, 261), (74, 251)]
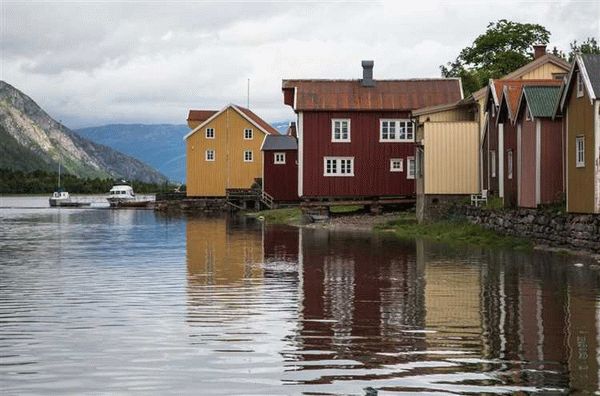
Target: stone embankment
[(544, 227), (206, 206)]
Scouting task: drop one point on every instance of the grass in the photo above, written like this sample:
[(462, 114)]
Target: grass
[(279, 216), (346, 209), (451, 232)]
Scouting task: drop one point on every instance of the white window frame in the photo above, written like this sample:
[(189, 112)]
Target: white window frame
[(280, 160), (398, 123), (578, 151), (399, 160), (246, 156), (509, 164), (337, 164), (206, 155), (250, 135), (411, 172), (341, 139), (212, 130), (493, 162), (579, 85)]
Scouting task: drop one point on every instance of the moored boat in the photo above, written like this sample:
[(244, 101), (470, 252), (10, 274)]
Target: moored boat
[(121, 195)]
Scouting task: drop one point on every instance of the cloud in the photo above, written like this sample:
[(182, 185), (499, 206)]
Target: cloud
[(93, 63)]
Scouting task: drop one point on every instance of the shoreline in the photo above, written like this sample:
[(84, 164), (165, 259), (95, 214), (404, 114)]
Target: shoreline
[(403, 225)]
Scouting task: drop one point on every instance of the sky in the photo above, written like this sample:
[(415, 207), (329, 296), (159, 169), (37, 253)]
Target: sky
[(91, 63)]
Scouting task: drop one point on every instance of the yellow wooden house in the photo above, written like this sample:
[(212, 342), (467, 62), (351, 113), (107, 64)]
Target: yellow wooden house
[(223, 150)]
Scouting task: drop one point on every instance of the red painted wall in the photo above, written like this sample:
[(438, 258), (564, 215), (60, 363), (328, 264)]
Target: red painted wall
[(372, 176), (281, 180), (493, 145), (551, 182), (510, 185), (527, 181)]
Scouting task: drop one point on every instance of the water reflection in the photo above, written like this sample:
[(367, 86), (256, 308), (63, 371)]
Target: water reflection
[(356, 310)]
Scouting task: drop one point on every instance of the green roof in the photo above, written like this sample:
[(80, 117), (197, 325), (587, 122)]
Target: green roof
[(541, 100)]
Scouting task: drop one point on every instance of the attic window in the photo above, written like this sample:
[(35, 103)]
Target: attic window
[(248, 134), (528, 116), (579, 85), (210, 133)]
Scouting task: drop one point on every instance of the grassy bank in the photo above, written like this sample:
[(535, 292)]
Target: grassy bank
[(290, 216), (451, 232)]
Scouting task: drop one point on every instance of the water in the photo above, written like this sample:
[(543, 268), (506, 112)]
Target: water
[(130, 301)]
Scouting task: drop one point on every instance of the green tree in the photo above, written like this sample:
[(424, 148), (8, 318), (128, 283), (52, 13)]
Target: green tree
[(504, 47)]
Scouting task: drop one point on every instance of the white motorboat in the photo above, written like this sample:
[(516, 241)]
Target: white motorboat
[(121, 195)]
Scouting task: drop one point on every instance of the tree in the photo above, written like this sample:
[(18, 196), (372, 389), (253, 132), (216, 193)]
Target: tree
[(505, 46), (589, 46)]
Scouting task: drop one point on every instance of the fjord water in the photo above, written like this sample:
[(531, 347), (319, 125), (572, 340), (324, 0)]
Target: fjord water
[(126, 301)]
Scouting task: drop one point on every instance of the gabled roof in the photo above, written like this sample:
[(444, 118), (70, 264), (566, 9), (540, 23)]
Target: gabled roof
[(444, 107), (511, 93), (540, 100), (255, 120), (387, 95), (521, 71), (279, 142), (200, 115), (589, 67)]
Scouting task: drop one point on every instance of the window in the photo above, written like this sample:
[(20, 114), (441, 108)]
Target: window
[(493, 163), (279, 158), (338, 166), (579, 85), (528, 116), (580, 151), (340, 130), (410, 164), (509, 164), (248, 156), (396, 131), (210, 155), (210, 133), (248, 134), (396, 165)]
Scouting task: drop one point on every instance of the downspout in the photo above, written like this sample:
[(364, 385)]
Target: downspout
[(597, 154)]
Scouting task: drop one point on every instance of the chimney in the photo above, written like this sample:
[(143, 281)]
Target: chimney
[(539, 50), (367, 80)]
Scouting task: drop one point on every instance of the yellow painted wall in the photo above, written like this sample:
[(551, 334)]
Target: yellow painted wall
[(543, 72), (212, 178), (451, 163), (580, 181), (459, 114)]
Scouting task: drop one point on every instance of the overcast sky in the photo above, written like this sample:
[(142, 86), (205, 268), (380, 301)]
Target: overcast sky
[(91, 62)]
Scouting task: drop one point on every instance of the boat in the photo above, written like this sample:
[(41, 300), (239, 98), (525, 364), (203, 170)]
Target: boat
[(121, 195), (61, 198)]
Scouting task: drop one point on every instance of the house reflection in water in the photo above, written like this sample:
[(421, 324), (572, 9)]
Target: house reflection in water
[(400, 309)]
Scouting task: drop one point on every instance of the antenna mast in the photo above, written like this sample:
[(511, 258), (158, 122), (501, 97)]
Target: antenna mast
[(248, 96)]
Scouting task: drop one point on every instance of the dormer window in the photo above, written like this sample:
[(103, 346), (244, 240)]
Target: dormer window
[(579, 85)]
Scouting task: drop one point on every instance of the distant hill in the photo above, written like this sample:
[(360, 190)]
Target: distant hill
[(160, 145), (31, 140)]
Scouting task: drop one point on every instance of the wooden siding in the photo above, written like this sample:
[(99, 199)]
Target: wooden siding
[(551, 177), (528, 158), (228, 170), (459, 114), (492, 141), (372, 176), (510, 185), (543, 72), (451, 157), (216, 255), (580, 181), (281, 180)]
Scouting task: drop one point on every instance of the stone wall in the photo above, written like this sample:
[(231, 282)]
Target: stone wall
[(545, 227), (193, 205)]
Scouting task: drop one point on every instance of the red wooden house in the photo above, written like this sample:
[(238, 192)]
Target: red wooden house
[(501, 148), (356, 138), (280, 166), (540, 142)]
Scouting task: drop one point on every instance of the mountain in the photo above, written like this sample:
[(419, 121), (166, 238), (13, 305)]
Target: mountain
[(30, 140), (160, 145)]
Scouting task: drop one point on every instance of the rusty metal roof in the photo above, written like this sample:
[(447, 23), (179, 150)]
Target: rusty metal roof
[(200, 115), (394, 95)]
